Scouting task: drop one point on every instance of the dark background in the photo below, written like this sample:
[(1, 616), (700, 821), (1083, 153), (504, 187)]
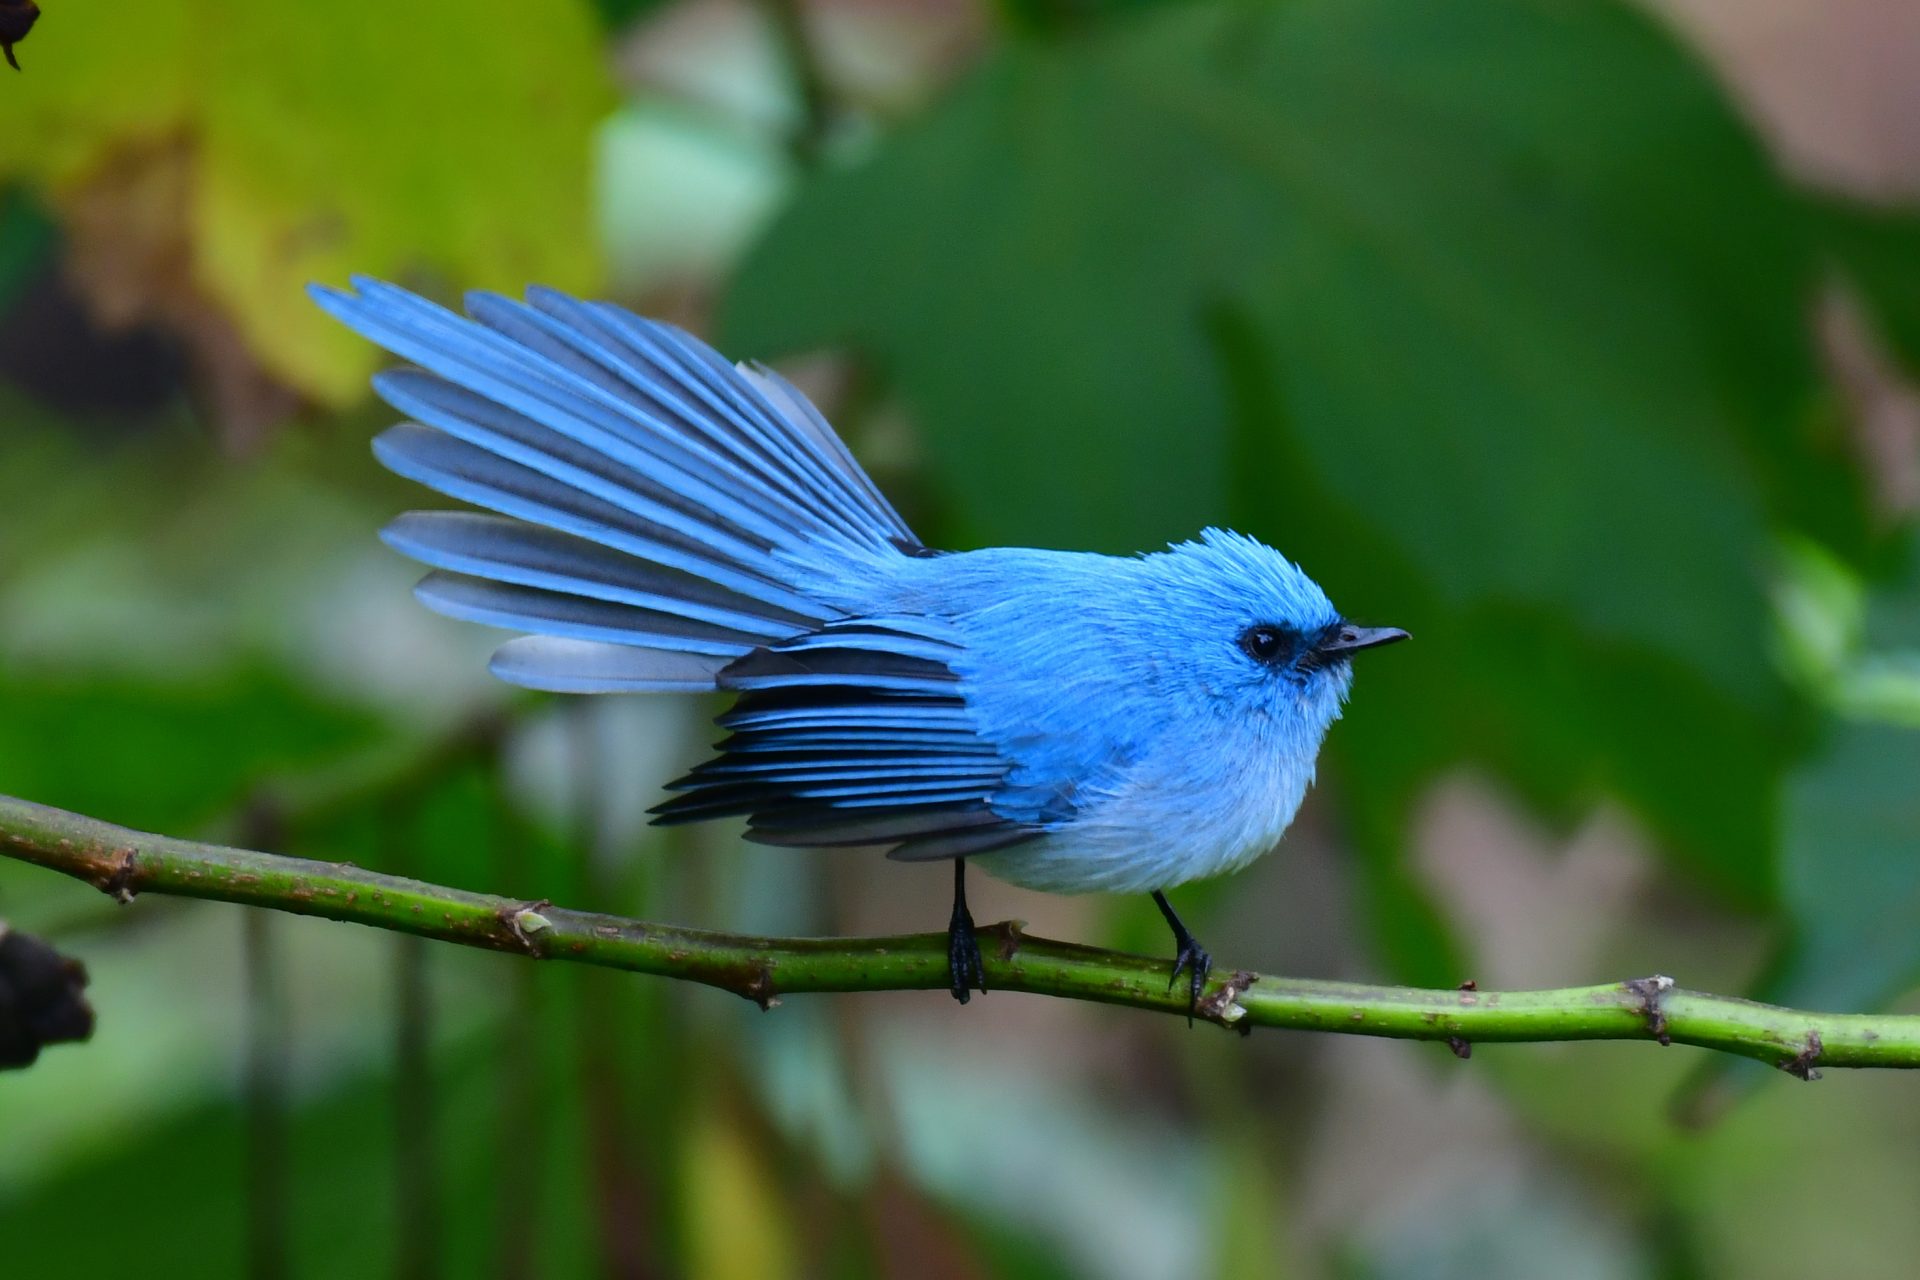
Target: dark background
[(1575, 337)]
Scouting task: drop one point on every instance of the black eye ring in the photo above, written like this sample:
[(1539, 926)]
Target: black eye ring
[(1266, 645)]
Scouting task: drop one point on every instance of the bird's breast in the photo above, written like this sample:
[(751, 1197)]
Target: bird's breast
[(1166, 822)]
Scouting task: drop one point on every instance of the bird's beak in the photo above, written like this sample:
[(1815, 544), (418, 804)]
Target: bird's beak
[(1347, 639)]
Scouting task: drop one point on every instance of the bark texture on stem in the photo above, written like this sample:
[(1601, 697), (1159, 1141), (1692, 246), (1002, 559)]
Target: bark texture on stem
[(126, 863)]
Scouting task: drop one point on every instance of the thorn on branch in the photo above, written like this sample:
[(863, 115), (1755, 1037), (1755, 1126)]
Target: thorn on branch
[(1650, 990), (119, 882), (1801, 1065), (524, 922), (759, 988), (1223, 1004)]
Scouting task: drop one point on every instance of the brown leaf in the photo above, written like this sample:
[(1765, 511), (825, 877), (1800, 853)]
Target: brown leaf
[(131, 257), (42, 999), (16, 19)]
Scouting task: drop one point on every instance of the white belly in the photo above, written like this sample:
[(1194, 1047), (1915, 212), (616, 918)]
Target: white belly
[(1143, 838)]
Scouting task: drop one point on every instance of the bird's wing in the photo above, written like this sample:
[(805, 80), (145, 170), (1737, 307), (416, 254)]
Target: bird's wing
[(854, 734)]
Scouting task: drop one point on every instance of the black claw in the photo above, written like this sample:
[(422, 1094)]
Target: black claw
[(1192, 958), (963, 961), (965, 969), (1189, 957)]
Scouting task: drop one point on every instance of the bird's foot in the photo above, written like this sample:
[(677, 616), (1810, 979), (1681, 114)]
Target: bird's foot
[(964, 966), (1192, 959), (1189, 957)]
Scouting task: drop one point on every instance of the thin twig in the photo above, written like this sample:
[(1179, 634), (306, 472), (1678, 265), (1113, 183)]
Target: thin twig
[(622, 1201), (802, 57), (522, 1141), (264, 1084), (416, 1158), (264, 1088), (127, 863)]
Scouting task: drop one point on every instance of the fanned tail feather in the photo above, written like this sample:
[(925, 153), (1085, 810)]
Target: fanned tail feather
[(655, 519), (657, 512)]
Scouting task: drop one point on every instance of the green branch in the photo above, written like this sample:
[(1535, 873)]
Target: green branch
[(125, 863)]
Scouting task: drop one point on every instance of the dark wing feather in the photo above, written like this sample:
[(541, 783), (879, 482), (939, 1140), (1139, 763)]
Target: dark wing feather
[(853, 734)]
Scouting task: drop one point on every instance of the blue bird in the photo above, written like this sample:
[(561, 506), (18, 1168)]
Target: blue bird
[(664, 521)]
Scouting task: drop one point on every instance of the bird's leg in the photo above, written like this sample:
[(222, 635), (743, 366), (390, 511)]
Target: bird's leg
[(1189, 956), (963, 949)]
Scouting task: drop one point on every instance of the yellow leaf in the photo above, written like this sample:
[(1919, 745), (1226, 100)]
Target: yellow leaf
[(737, 1226), (445, 141)]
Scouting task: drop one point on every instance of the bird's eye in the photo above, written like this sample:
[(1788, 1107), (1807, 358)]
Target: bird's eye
[(1266, 645)]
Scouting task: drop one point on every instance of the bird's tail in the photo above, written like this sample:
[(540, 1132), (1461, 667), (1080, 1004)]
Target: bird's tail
[(658, 512)]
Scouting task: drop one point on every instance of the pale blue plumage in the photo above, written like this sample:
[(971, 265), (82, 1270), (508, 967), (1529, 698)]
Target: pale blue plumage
[(1140, 735), (664, 521)]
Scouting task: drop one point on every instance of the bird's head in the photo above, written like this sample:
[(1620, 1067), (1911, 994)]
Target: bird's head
[(1263, 636)]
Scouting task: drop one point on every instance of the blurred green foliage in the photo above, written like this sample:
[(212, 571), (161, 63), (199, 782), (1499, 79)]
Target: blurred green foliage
[(1512, 357), (24, 239), (1496, 315), (1854, 898), (1879, 249), (282, 143)]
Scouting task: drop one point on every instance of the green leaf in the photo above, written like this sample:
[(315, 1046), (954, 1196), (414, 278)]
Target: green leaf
[(279, 144), (1504, 330), (622, 13), (1879, 250), (165, 754), (1035, 16), (341, 1203), (1892, 618), (1850, 851), (26, 239), (1850, 874), (176, 629), (1492, 314)]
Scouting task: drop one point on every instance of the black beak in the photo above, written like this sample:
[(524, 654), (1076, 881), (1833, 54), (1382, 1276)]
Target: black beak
[(1347, 639)]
